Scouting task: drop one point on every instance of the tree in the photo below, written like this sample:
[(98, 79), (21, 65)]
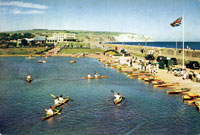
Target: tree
[(24, 42), (4, 36), (12, 44), (28, 35)]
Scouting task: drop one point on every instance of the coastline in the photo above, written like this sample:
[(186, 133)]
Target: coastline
[(162, 73)]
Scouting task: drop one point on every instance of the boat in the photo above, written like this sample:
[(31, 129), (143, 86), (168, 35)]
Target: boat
[(30, 58), (156, 82), (166, 85), (139, 72), (150, 79), (62, 103), (41, 61), (72, 61), (100, 77), (189, 96), (178, 91), (55, 111), (186, 97), (192, 101), (144, 76), (117, 101)]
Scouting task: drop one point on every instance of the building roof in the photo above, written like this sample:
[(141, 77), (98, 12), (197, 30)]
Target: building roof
[(51, 38), (39, 38)]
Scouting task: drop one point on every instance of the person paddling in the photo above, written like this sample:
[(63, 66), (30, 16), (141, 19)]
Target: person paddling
[(61, 98), (96, 75), (57, 101), (89, 75), (28, 77), (117, 96), (50, 111)]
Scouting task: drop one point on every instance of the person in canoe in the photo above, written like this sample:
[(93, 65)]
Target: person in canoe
[(61, 99), (57, 101), (117, 97), (28, 78), (88, 75), (50, 111), (96, 75)]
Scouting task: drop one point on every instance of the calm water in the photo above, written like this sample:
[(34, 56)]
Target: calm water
[(145, 110), (191, 45)]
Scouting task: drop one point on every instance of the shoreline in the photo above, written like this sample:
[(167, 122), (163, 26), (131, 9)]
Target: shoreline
[(161, 74)]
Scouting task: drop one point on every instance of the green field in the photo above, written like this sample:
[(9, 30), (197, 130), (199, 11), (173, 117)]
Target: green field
[(21, 51), (76, 51)]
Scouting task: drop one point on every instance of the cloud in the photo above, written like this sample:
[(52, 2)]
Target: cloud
[(22, 4), (19, 11)]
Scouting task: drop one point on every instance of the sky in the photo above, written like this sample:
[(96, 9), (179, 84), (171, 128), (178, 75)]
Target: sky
[(147, 17)]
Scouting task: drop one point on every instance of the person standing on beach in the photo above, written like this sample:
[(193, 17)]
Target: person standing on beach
[(131, 62), (184, 73)]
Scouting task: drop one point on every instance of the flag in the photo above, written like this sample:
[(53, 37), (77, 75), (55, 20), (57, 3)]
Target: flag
[(177, 22)]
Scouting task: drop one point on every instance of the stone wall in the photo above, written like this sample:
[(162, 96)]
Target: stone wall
[(189, 55)]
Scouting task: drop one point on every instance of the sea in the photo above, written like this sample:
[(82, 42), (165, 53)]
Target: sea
[(163, 44), (145, 110)]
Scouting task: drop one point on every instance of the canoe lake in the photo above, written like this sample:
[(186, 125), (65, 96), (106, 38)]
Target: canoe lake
[(145, 110)]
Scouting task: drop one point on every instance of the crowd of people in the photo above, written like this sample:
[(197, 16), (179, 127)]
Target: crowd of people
[(194, 76), (144, 65)]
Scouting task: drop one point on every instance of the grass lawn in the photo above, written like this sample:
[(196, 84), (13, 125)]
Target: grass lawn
[(21, 51), (76, 51)]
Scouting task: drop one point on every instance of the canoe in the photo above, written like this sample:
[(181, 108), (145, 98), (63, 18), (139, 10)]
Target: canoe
[(150, 79), (193, 95), (140, 73), (117, 101), (156, 82), (30, 58), (178, 91), (72, 61), (145, 76), (41, 61), (186, 97), (62, 103), (55, 111), (192, 101), (166, 84), (100, 77)]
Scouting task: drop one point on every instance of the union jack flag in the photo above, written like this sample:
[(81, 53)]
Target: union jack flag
[(177, 22)]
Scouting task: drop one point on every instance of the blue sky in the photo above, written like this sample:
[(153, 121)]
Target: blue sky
[(147, 17)]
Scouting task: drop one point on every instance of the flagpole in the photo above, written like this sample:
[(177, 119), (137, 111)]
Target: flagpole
[(183, 43), (176, 39)]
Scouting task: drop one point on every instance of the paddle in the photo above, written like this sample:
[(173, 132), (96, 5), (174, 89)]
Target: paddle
[(67, 96), (53, 96), (57, 113)]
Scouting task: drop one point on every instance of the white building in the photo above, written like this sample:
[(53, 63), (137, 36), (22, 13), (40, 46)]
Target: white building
[(61, 37)]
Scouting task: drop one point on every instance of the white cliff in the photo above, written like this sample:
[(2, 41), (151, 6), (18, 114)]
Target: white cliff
[(132, 38)]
